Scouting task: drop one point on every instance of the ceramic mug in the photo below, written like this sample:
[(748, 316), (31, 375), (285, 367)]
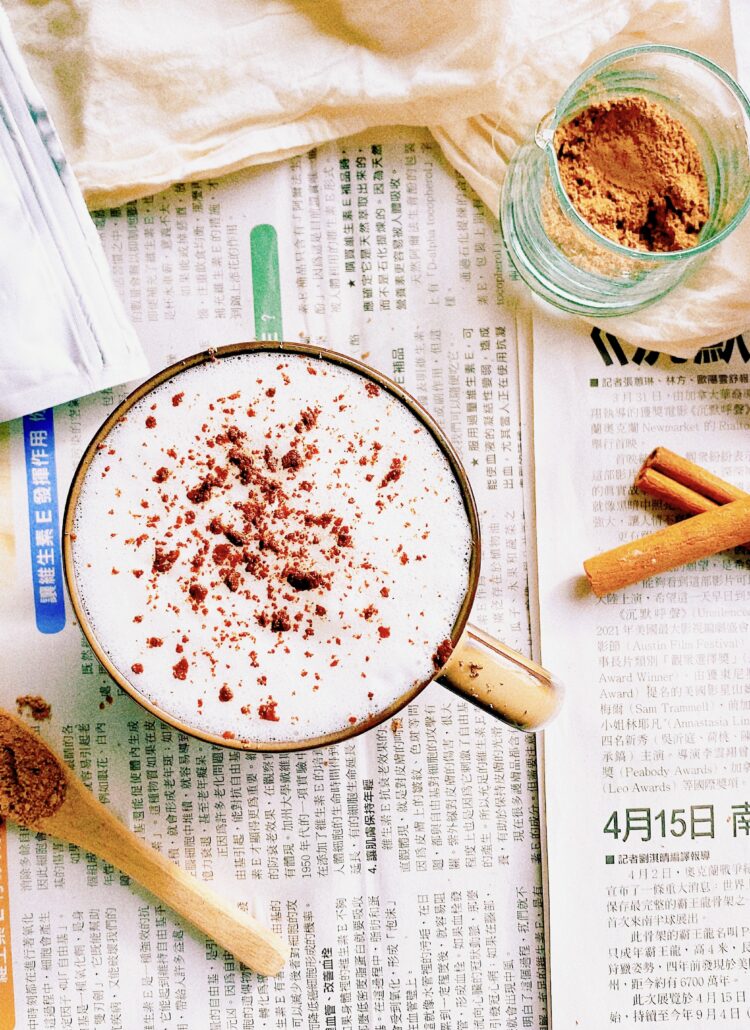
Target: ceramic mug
[(486, 672)]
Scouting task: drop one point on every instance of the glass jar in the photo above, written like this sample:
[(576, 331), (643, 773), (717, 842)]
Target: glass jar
[(556, 252)]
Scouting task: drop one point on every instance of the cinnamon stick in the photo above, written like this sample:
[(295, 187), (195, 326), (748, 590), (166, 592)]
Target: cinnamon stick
[(717, 530), (688, 474), (670, 492)]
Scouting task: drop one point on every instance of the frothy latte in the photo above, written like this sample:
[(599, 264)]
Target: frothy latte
[(270, 547)]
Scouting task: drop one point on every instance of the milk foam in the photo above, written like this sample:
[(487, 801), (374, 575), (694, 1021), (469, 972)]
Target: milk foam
[(282, 584)]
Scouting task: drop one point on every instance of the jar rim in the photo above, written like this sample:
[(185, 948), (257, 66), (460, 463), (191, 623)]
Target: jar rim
[(656, 257)]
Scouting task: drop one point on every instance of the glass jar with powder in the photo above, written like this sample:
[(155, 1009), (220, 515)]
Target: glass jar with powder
[(641, 168)]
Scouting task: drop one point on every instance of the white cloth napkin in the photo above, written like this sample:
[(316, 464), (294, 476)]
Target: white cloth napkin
[(148, 94)]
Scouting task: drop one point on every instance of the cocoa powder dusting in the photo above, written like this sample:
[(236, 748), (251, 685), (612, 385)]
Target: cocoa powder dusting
[(200, 493), (634, 173), (291, 460), (280, 621), (443, 653), (302, 579), (164, 560), (231, 536), (32, 780), (267, 710)]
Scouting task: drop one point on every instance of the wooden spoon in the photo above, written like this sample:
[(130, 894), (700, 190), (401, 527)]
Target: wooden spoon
[(38, 791)]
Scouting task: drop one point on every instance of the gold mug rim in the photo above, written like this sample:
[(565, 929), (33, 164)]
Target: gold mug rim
[(280, 347)]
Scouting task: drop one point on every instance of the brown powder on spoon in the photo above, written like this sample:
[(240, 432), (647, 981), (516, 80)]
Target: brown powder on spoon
[(32, 780), (634, 173)]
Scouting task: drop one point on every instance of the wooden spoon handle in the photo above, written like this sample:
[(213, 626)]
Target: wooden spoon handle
[(82, 820)]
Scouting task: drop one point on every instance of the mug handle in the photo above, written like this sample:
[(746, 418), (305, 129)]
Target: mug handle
[(501, 681)]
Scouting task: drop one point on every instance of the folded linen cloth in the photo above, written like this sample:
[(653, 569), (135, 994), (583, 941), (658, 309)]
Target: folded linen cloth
[(148, 94)]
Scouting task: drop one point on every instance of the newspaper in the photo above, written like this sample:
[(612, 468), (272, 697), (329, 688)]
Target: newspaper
[(646, 775), (404, 866)]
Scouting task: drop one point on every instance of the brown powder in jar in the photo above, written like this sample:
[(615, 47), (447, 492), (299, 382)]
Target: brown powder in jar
[(634, 173), (32, 780)]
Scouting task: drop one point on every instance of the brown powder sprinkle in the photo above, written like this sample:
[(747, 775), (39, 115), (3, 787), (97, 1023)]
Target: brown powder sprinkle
[(164, 560), (233, 539), (231, 579), (235, 434), (280, 621), (221, 552), (267, 710), (302, 579), (308, 418), (39, 709), (200, 493), (635, 174), (393, 474), (443, 653), (32, 780), (291, 459), (244, 463)]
